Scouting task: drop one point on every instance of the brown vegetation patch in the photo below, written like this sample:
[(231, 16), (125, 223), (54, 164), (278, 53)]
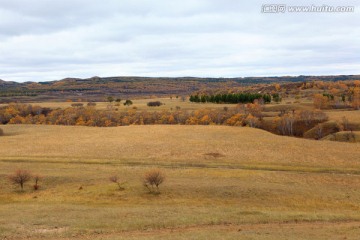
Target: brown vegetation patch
[(214, 154)]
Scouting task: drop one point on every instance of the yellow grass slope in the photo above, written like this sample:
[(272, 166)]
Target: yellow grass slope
[(174, 145), (221, 183)]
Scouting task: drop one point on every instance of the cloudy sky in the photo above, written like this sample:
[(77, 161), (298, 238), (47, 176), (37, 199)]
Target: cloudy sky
[(42, 40)]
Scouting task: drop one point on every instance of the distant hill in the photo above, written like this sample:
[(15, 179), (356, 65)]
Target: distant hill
[(97, 88)]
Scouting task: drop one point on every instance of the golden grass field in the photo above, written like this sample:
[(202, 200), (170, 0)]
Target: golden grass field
[(141, 104), (222, 183)]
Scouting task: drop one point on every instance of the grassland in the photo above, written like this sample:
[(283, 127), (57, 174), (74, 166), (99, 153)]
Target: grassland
[(222, 183), (140, 104)]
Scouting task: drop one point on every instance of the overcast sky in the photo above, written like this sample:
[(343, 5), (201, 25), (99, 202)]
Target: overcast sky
[(43, 40)]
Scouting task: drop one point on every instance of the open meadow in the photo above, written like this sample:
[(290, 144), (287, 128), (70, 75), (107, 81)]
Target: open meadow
[(179, 120), (221, 183)]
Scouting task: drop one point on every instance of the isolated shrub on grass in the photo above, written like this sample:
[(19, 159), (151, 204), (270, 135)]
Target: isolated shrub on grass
[(37, 178), (91, 104), (77, 105), (20, 177), (154, 104), (128, 102), (116, 180), (152, 180)]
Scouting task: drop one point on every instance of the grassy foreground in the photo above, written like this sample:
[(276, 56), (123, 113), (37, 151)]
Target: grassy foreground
[(222, 183)]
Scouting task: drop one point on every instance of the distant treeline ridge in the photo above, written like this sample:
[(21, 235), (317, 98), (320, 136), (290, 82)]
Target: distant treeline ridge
[(231, 98)]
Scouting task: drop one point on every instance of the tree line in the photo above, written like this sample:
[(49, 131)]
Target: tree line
[(231, 98), (293, 123)]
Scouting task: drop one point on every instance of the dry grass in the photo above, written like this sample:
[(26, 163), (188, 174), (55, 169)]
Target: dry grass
[(344, 136), (352, 116), (141, 104), (258, 179), (172, 146)]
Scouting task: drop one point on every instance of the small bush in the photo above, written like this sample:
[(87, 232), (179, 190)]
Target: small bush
[(37, 178), (128, 103), (91, 104), (154, 104), (152, 180), (77, 105), (116, 180)]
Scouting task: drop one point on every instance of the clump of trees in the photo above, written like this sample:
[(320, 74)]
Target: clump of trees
[(338, 97), (21, 176), (296, 123), (154, 104), (276, 97), (153, 179), (231, 98), (292, 123)]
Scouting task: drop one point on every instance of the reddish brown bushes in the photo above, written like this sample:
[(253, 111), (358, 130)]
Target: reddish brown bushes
[(152, 180)]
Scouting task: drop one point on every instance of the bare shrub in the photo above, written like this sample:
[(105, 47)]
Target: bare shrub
[(214, 154), (115, 179), (91, 104), (152, 180), (20, 177), (37, 178), (345, 124), (319, 132)]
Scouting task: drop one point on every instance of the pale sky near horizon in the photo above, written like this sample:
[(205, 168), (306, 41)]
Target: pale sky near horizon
[(44, 40)]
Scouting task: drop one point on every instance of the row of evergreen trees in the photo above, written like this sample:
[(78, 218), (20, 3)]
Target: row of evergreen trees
[(231, 98)]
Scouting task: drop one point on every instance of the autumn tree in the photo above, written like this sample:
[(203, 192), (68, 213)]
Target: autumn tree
[(285, 124), (20, 177), (321, 101), (255, 109), (356, 98), (252, 121), (277, 87), (235, 120)]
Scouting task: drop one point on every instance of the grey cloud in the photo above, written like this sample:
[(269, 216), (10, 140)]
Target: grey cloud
[(46, 40)]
